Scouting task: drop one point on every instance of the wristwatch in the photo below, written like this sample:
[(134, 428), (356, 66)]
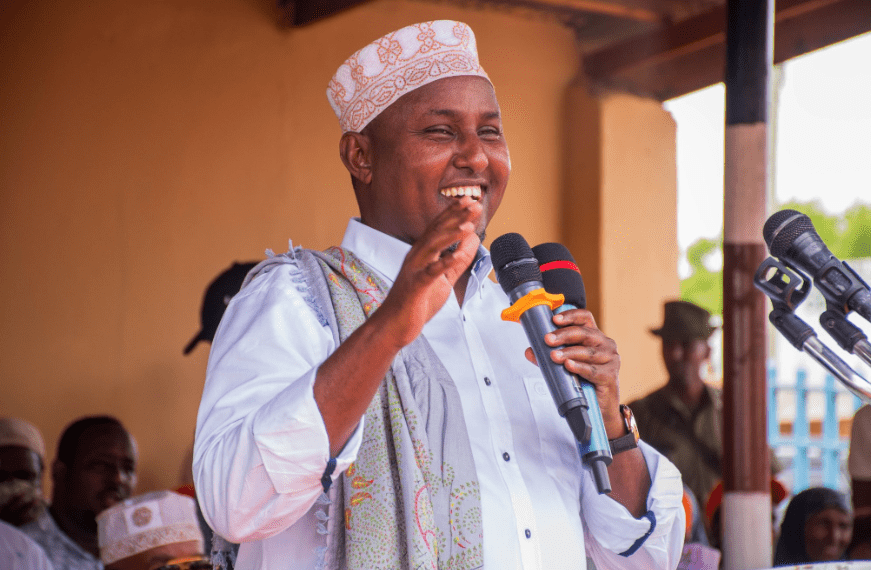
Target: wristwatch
[(630, 440)]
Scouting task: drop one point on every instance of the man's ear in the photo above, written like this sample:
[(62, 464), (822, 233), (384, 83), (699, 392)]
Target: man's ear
[(355, 150)]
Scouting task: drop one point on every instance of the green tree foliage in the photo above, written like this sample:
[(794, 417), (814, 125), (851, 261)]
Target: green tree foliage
[(704, 287), (847, 235)]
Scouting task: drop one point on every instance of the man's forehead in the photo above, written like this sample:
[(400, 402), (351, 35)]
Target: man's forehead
[(453, 113), (100, 439), (450, 98)]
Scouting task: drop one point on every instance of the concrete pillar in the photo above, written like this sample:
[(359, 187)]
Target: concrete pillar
[(746, 472), (619, 220)]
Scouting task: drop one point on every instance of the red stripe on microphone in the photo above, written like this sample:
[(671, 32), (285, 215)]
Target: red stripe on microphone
[(559, 264)]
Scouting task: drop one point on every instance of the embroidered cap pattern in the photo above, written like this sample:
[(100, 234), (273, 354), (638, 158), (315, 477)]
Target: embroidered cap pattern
[(377, 75)]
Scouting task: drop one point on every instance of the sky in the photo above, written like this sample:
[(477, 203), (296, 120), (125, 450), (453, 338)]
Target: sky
[(822, 139)]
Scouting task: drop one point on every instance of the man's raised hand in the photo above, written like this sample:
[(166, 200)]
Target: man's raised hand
[(431, 268)]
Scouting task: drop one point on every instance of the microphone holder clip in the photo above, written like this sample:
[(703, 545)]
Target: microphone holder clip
[(786, 286), (846, 334), (833, 280)]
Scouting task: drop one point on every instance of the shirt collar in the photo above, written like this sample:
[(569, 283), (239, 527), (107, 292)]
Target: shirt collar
[(385, 253), (381, 252)]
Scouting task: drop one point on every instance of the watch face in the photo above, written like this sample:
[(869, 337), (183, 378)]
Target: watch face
[(629, 420)]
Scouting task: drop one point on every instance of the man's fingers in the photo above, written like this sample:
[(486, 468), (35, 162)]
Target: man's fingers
[(580, 317), (457, 261), (448, 242), (578, 335), (530, 356), (580, 353)]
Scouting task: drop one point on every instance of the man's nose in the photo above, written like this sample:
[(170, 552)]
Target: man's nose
[(120, 475), (116, 474), (471, 154)]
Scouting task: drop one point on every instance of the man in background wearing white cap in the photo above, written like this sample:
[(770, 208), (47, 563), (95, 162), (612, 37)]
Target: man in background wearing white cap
[(22, 459), (152, 531), (420, 434)]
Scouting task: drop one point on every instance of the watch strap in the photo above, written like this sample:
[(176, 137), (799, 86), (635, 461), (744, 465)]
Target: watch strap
[(630, 440), (623, 443)]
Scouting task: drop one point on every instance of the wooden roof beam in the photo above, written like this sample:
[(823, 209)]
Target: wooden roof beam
[(302, 12), (626, 9), (683, 57)]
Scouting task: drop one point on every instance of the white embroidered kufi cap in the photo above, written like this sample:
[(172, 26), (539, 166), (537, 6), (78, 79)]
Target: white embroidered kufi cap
[(376, 76), (147, 521), (14, 431)]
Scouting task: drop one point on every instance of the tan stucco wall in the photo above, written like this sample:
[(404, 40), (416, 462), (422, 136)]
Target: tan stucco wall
[(620, 210), (639, 234), (145, 146)]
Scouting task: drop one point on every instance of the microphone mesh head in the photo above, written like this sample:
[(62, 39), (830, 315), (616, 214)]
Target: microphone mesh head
[(561, 280), (783, 228), (513, 260)]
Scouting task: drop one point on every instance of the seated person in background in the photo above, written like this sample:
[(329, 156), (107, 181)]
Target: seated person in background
[(696, 532), (215, 301), (859, 465), (152, 531), (95, 468), (22, 458), (817, 527), (697, 553), (19, 552)]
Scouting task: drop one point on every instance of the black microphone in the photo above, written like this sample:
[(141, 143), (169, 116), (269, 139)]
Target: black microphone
[(790, 236), (560, 274), (518, 274)]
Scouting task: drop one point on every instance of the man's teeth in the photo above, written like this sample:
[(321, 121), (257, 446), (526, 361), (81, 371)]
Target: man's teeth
[(473, 191)]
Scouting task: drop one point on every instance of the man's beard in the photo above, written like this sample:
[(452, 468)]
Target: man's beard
[(454, 246)]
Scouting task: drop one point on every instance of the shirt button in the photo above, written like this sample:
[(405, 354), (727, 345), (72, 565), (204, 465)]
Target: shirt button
[(506, 457), (528, 533), (487, 381)]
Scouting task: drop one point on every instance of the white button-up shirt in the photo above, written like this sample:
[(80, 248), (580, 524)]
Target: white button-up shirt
[(261, 445)]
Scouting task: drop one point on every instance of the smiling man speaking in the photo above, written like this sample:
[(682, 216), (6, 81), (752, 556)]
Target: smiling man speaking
[(366, 407)]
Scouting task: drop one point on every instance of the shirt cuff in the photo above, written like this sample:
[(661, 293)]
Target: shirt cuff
[(613, 525), (292, 439)]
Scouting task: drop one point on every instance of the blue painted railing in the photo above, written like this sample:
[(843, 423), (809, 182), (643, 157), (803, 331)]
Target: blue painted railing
[(832, 447)]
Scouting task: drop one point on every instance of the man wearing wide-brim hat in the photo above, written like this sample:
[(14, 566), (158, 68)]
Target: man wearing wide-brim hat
[(683, 419)]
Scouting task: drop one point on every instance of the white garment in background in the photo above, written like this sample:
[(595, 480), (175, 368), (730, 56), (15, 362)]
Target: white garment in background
[(19, 552), (261, 445)]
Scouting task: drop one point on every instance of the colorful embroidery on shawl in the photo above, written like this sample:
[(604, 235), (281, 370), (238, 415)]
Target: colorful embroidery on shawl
[(389, 492)]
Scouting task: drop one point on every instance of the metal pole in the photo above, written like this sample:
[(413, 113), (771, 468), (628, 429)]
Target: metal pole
[(746, 510)]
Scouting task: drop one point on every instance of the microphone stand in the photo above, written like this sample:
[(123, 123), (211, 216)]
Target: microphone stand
[(846, 334), (787, 290)]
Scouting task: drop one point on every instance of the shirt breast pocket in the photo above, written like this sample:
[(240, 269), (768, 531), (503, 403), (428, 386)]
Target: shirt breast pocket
[(559, 450)]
